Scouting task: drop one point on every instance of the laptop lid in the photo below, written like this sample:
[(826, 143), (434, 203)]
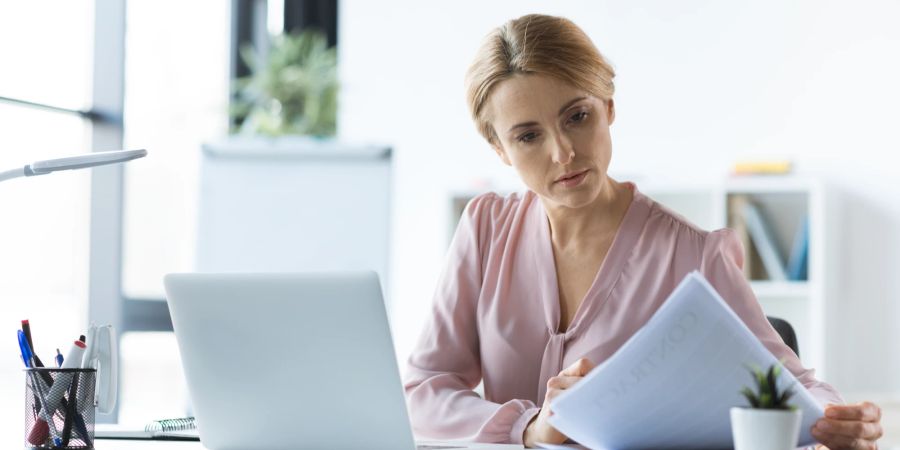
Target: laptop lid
[(289, 360)]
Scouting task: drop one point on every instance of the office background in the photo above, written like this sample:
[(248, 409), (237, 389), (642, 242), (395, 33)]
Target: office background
[(700, 85)]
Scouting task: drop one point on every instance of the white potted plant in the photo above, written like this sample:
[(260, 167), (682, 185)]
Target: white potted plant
[(769, 422)]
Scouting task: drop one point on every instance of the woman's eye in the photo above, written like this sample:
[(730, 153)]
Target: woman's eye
[(528, 137), (578, 117)]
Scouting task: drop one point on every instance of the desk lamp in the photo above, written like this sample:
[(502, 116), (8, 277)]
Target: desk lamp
[(72, 163), (108, 357)]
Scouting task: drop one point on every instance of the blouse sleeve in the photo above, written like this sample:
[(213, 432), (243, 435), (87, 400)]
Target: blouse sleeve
[(722, 265), (445, 365)]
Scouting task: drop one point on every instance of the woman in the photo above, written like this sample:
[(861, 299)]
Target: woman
[(539, 287)]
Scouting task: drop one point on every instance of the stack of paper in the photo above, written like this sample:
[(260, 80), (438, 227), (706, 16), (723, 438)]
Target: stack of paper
[(672, 384)]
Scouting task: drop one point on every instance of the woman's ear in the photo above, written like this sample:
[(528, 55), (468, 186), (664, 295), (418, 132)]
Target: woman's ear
[(611, 111), (501, 153)]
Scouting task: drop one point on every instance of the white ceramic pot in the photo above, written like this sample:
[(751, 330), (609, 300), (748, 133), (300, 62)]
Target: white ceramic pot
[(765, 429)]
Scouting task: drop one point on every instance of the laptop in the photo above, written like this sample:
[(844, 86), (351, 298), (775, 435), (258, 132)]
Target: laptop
[(294, 361)]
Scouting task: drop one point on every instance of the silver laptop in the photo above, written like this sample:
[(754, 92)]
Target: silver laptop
[(289, 361)]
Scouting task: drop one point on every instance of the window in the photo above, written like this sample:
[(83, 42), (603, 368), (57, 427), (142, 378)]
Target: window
[(45, 226), (176, 98)]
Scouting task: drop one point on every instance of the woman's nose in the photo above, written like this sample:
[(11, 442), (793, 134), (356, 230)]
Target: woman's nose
[(563, 152)]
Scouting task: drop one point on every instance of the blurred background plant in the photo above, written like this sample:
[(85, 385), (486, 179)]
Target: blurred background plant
[(291, 90)]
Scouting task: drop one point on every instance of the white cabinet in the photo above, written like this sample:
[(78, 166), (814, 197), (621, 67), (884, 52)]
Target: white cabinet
[(294, 204)]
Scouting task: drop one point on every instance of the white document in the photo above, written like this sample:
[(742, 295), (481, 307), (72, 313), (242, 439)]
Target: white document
[(672, 384)]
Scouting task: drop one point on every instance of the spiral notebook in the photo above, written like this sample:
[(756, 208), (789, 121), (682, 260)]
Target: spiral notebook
[(181, 429)]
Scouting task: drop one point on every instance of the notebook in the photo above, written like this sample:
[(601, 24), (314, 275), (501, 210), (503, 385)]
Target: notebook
[(181, 429)]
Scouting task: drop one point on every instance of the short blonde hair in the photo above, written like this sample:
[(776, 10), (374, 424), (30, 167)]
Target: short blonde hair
[(535, 44)]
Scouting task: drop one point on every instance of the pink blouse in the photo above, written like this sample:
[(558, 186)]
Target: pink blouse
[(496, 312)]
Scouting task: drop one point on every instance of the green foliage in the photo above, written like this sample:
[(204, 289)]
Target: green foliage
[(767, 395), (292, 90)]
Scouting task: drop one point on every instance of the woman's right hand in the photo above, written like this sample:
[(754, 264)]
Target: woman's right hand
[(540, 430)]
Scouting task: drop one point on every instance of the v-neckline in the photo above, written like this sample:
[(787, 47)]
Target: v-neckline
[(607, 274)]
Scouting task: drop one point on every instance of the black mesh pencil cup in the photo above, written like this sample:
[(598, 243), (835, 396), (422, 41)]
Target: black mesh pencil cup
[(59, 408)]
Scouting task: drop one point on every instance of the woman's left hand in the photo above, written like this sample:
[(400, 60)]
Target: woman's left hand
[(849, 427)]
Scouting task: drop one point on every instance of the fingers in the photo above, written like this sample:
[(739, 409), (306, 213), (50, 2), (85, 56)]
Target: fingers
[(865, 411), (850, 428), (551, 395), (561, 382), (566, 379), (579, 368), (557, 385), (841, 442), (539, 430)]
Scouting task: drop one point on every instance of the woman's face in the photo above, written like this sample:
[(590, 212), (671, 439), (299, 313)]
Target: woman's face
[(555, 136)]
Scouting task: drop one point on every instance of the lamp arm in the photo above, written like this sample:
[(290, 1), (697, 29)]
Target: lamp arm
[(13, 173), (73, 162)]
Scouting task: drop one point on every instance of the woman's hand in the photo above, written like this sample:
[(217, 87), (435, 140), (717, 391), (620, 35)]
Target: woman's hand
[(849, 427), (540, 430)]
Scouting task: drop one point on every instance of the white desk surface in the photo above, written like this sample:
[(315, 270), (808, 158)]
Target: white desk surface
[(123, 444)]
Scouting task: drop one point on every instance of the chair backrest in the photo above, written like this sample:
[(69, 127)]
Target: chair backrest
[(786, 331)]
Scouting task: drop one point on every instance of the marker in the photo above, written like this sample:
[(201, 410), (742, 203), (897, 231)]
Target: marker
[(79, 421), (54, 398), (90, 354)]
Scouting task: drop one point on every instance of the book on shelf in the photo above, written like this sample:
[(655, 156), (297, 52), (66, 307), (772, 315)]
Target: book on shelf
[(764, 241), (798, 262), (764, 260), (736, 222)]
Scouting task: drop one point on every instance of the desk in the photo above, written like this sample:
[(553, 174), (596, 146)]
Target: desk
[(118, 444), (123, 444)]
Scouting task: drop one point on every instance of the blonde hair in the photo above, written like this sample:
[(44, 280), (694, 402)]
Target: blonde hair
[(535, 44)]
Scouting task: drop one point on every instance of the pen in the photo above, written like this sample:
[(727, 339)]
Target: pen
[(26, 328), (59, 358), (71, 410), (35, 405), (28, 357), (33, 360)]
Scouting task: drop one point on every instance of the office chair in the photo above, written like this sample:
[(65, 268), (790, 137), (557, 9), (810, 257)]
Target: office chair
[(786, 331)]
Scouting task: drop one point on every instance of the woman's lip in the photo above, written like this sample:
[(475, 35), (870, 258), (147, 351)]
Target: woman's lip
[(571, 175), (573, 181)]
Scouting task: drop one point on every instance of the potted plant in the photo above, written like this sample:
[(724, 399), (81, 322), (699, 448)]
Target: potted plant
[(293, 89), (769, 422)]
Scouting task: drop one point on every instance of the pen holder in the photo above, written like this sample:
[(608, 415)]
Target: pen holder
[(59, 408)]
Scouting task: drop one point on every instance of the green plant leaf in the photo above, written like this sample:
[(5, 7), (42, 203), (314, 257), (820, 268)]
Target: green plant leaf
[(751, 397), (293, 90), (767, 395)]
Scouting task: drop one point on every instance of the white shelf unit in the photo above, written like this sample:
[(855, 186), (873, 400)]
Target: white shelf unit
[(784, 201)]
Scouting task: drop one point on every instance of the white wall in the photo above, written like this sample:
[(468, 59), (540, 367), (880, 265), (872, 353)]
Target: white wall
[(700, 84)]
